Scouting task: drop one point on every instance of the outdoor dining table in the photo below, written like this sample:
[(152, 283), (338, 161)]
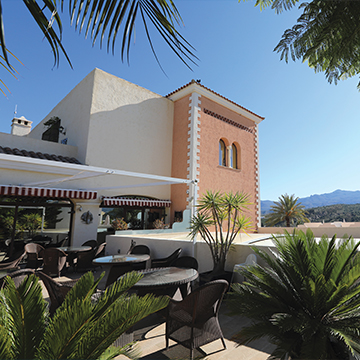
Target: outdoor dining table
[(117, 265), (165, 281)]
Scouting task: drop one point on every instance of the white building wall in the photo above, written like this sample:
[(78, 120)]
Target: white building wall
[(74, 112), (130, 129), (28, 143)]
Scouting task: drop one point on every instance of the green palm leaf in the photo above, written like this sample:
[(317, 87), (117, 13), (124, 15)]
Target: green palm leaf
[(82, 327), (306, 300)]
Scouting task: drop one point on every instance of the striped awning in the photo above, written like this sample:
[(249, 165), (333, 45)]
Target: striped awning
[(10, 190), (109, 201)]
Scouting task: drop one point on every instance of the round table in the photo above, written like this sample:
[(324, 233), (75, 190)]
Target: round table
[(165, 281), (72, 249), (120, 259), (117, 265)]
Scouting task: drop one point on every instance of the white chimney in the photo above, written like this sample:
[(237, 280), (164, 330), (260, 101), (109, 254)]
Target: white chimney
[(20, 126)]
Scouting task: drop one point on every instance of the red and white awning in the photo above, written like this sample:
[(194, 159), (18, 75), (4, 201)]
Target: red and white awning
[(108, 201), (10, 190)]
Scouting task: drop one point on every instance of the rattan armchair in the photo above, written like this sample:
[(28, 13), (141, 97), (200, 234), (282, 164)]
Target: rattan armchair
[(54, 261), (92, 243), (34, 255), (12, 262), (166, 262), (57, 290), (17, 276), (187, 262), (193, 322)]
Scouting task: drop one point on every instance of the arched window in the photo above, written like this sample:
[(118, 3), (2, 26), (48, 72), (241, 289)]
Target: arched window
[(222, 153), (234, 157)]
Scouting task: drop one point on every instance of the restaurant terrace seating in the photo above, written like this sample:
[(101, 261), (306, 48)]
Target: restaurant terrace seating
[(140, 250), (17, 276), (166, 262), (54, 261), (13, 261), (193, 322), (84, 260), (57, 290), (34, 255), (186, 262), (92, 243)]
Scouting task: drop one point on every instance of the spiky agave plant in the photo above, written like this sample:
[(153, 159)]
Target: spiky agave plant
[(80, 329), (306, 300), (218, 220)]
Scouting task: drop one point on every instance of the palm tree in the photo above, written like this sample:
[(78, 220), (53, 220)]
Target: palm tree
[(109, 19), (306, 300), (287, 210), (81, 328), (326, 36), (218, 220)]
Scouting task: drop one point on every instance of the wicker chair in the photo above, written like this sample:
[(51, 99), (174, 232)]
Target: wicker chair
[(187, 262), (54, 261), (17, 276), (193, 322), (34, 255), (92, 243), (140, 250), (56, 290), (84, 260), (12, 262), (166, 262)]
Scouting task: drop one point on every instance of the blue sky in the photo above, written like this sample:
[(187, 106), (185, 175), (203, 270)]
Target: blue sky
[(309, 140)]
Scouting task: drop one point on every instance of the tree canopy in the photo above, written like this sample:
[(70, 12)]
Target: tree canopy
[(287, 210), (326, 36)]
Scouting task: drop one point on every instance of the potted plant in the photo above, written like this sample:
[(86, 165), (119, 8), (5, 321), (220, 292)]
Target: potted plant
[(305, 300), (218, 220), (31, 223), (119, 224)]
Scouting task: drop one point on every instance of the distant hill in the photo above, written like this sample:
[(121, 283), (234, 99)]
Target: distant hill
[(337, 212), (336, 197)]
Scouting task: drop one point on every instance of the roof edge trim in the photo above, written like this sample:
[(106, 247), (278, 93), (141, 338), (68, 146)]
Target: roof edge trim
[(221, 100)]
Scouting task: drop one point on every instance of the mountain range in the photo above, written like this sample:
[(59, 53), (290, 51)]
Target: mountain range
[(312, 201)]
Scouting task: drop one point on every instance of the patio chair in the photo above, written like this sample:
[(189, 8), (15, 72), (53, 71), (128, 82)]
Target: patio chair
[(100, 251), (54, 261), (57, 290), (34, 255), (116, 271), (92, 243), (17, 276), (251, 259), (188, 262), (84, 260), (166, 262), (12, 262), (193, 322), (140, 250)]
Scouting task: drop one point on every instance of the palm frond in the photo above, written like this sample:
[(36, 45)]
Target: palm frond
[(306, 299)]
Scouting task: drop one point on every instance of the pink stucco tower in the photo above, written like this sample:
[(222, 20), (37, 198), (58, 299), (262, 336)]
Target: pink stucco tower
[(215, 142)]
